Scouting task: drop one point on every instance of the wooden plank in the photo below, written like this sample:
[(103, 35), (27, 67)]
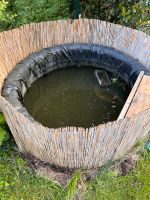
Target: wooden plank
[(141, 100), (131, 96)]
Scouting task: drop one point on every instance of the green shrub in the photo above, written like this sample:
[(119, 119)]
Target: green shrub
[(14, 13), (134, 14)]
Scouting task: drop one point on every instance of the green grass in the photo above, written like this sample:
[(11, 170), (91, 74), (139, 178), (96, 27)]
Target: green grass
[(134, 186), (19, 182)]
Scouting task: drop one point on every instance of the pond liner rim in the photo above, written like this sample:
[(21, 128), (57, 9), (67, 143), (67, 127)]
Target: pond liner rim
[(31, 68)]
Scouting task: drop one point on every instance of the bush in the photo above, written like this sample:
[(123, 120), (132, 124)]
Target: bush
[(14, 13), (134, 14)]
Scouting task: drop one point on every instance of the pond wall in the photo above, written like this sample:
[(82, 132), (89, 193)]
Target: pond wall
[(73, 147)]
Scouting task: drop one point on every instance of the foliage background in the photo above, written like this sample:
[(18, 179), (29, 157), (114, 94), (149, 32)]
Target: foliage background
[(132, 13), (14, 13)]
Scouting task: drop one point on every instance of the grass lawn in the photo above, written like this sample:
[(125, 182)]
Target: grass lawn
[(134, 186), (19, 182)]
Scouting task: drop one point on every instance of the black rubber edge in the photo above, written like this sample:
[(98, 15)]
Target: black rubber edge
[(43, 62)]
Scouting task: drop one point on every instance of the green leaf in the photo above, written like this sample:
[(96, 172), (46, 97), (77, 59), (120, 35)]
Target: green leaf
[(2, 119), (4, 135), (72, 187), (148, 146)]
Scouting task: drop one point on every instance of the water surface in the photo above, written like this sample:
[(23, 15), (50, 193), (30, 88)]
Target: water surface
[(73, 97)]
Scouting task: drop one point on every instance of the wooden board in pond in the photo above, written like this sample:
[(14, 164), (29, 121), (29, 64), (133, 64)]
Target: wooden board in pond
[(73, 97), (102, 78)]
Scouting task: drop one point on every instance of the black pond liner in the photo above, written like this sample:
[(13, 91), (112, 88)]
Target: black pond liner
[(41, 63)]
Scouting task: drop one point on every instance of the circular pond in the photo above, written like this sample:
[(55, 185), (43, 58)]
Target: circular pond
[(58, 86)]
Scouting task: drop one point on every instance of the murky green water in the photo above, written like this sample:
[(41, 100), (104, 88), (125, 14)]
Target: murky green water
[(73, 97)]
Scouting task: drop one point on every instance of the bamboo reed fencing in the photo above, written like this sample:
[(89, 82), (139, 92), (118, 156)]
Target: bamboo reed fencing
[(73, 147)]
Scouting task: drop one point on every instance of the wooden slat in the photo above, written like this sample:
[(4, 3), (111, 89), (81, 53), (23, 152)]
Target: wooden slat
[(131, 96), (141, 100)]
